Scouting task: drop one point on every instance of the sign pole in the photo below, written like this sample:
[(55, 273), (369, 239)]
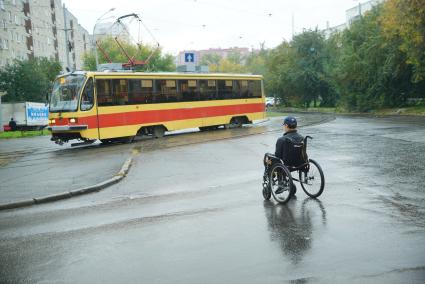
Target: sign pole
[(1, 113)]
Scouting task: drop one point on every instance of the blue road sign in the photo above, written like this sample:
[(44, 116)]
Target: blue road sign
[(189, 57)]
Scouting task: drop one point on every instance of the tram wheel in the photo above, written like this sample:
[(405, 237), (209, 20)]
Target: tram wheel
[(158, 131)]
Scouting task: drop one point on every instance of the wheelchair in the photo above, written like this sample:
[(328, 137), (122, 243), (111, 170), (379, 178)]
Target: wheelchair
[(278, 180)]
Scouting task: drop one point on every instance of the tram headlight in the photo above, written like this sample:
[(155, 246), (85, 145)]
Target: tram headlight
[(72, 120), (52, 121)]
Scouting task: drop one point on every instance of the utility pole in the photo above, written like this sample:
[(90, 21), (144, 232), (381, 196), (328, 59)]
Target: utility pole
[(293, 31), (66, 37)]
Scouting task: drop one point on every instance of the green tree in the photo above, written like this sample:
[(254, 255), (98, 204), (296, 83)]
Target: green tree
[(227, 66), (379, 61), (210, 59), (235, 57), (310, 79), (297, 71), (279, 63), (28, 80), (404, 22), (156, 62), (372, 72), (256, 62)]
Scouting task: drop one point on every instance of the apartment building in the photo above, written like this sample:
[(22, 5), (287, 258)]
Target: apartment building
[(112, 29), (353, 14), (356, 12), (41, 28)]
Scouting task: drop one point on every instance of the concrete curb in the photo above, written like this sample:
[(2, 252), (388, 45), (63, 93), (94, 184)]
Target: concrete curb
[(64, 195)]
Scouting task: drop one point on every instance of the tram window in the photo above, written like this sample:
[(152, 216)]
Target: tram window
[(188, 90), (87, 98), (104, 94), (120, 91), (158, 97), (236, 92), (244, 91), (171, 91), (165, 91), (140, 91), (207, 90), (170, 83), (225, 88), (135, 92), (147, 90), (254, 89)]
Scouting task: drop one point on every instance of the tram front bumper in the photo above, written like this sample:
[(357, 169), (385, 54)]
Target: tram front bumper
[(64, 128)]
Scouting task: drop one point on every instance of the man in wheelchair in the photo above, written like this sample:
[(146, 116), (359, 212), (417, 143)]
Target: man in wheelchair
[(291, 156), (289, 149)]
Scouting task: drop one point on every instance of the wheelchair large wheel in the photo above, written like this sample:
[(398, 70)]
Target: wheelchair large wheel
[(313, 180), (281, 183)]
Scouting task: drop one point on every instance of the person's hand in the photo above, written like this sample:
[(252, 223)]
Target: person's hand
[(268, 161)]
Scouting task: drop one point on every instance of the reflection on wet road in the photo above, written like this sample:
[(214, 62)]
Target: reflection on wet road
[(291, 227), (191, 211)]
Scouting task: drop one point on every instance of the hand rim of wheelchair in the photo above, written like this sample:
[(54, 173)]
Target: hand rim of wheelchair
[(307, 179), (280, 183)]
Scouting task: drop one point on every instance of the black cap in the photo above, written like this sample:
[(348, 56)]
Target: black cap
[(290, 121)]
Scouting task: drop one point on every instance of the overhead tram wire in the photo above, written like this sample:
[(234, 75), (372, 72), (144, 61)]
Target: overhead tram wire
[(253, 12), (185, 25)]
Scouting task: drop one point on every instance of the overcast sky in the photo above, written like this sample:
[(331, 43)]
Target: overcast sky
[(201, 24)]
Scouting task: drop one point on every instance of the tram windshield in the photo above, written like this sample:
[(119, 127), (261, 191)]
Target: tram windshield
[(66, 93)]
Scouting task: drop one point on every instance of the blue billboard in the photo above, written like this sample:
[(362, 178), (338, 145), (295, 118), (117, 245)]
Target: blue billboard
[(37, 113)]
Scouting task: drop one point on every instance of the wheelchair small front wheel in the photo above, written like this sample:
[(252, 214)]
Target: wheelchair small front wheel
[(267, 193), (281, 183), (313, 180)]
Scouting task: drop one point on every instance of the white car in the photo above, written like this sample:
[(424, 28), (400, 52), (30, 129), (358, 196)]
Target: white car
[(270, 102)]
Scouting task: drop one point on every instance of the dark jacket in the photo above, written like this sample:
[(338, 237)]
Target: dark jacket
[(12, 125), (283, 145)]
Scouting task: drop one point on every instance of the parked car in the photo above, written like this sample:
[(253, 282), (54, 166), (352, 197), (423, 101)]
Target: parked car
[(270, 101)]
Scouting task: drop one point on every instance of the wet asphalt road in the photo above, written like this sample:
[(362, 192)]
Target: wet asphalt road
[(194, 214), (36, 167)]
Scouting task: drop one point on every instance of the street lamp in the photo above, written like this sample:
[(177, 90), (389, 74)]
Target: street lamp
[(94, 36)]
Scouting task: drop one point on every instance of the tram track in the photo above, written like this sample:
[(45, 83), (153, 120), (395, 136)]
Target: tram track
[(33, 156), (255, 130)]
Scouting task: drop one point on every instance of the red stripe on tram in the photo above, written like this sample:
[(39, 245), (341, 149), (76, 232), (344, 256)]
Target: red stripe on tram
[(157, 116)]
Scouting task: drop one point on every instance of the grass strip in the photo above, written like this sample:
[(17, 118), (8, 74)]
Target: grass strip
[(22, 134)]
